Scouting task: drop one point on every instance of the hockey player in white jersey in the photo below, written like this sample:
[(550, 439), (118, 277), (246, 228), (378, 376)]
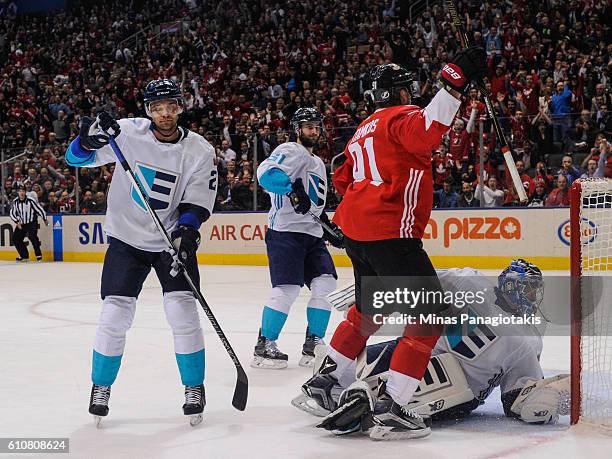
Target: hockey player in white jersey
[(297, 182), (466, 365), (176, 168)]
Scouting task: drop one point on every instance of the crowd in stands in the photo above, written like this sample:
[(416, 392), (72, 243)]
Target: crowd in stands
[(246, 66)]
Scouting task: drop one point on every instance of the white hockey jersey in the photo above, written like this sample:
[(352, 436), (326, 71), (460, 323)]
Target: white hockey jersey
[(171, 173), (505, 355), (295, 160)]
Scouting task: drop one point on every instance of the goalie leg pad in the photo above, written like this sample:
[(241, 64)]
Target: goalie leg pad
[(373, 363), (443, 387), (343, 298)]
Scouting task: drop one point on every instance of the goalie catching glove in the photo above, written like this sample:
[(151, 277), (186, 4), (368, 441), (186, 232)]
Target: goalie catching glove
[(94, 134), (539, 401)]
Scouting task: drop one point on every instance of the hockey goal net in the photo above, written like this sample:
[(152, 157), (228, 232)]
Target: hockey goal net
[(591, 275)]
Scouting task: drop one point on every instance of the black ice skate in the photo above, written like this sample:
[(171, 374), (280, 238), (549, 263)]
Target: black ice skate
[(195, 401), (98, 402), (394, 422), (308, 349), (267, 355), (39, 258)]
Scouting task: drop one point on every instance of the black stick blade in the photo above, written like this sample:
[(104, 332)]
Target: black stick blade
[(241, 392)]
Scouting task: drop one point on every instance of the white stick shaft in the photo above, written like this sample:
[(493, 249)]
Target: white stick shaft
[(516, 179)]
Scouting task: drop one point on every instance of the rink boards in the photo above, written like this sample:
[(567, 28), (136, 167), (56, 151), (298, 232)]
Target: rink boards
[(480, 238)]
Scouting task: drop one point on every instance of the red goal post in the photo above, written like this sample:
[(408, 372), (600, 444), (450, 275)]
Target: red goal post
[(591, 301)]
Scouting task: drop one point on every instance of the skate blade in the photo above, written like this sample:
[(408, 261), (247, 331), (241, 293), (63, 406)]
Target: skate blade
[(268, 364), (98, 421), (195, 419), (308, 405), (379, 433), (356, 428), (306, 361)]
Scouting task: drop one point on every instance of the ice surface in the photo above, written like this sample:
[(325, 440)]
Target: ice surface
[(48, 315)]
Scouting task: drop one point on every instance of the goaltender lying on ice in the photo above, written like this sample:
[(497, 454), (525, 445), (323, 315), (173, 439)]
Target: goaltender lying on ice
[(464, 369)]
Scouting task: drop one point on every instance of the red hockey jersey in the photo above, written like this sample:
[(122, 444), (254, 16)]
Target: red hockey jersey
[(387, 178)]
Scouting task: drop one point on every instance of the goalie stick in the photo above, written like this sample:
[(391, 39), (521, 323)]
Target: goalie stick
[(505, 147), (242, 383)]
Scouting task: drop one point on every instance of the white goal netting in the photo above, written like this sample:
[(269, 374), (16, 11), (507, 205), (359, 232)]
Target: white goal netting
[(596, 302)]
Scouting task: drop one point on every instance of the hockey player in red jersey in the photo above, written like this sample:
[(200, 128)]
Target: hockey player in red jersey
[(387, 185)]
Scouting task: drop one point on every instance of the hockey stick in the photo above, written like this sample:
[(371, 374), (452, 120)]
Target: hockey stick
[(242, 383), (324, 225), (328, 229), (505, 147)]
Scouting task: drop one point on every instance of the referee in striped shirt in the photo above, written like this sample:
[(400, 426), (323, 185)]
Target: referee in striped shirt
[(24, 212)]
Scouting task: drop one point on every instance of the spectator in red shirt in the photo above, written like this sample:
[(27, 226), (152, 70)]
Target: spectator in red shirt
[(499, 82), (560, 195), (528, 51), (459, 144), (541, 177), (519, 129), (66, 203), (473, 101), (527, 88), (442, 166)]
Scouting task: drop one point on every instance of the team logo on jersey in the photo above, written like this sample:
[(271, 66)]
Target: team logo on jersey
[(158, 184), (317, 189), (469, 340)]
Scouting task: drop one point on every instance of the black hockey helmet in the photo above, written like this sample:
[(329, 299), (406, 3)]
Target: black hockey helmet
[(386, 81), (306, 114), (162, 89)]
